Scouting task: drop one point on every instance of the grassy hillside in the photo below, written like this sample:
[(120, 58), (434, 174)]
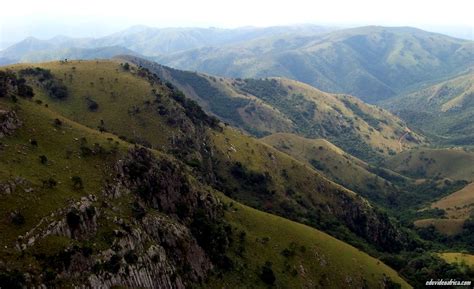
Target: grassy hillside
[(455, 163), (457, 208), (459, 204), (80, 205), (287, 246), (334, 163), (133, 104), (443, 110), (458, 258), (373, 63), (265, 106)]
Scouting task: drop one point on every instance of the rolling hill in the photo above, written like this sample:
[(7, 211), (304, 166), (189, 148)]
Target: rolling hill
[(448, 164), (83, 206), (454, 163), (131, 102), (444, 110), (265, 106), (373, 63), (339, 166)]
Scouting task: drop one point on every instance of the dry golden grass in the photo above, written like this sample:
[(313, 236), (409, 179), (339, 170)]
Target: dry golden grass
[(445, 226), (458, 205)]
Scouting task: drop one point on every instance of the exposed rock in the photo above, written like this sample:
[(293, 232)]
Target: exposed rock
[(9, 122), (158, 248)]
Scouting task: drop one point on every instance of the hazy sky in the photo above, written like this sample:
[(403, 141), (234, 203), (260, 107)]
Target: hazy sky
[(46, 18)]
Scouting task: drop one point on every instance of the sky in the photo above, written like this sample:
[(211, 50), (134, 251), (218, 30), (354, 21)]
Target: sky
[(94, 18)]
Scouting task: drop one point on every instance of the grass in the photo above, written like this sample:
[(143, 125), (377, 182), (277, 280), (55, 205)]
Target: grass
[(266, 106), (443, 110), (333, 162), (458, 205), (452, 163), (314, 199), (448, 227), (333, 264), (458, 258), (62, 148), (123, 99)]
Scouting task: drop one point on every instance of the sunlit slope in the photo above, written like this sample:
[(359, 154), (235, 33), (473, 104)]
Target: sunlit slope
[(426, 162), (43, 160), (444, 110), (334, 163), (373, 62), (300, 256), (265, 106)]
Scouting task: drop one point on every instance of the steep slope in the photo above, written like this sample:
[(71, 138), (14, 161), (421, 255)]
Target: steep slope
[(373, 63), (332, 264), (444, 110), (134, 104), (81, 207), (264, 106)]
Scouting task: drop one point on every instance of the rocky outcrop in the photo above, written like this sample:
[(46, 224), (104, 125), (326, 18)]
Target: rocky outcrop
[(9, 122), (161, 239)]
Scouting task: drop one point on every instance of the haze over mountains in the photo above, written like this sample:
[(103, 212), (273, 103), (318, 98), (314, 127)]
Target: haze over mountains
[(373, 63)]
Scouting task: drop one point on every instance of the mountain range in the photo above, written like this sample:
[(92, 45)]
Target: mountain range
[(299, 156), (373, 62)]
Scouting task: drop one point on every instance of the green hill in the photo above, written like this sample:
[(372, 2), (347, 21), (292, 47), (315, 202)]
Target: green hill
[(82, 206), (337, 165), (265, 106), (444, 110), (454, 163), (373, 63)]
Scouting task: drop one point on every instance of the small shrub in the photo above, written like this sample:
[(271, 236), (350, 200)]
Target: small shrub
[(77, 183), (266, 274), (49, 183), (43, 159)]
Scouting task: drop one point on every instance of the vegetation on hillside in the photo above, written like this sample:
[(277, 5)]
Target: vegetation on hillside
[(265, 106), (91, 208)]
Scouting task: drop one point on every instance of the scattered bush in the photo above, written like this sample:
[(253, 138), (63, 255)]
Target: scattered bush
[(43, 159), (77, 183), (266, 274)]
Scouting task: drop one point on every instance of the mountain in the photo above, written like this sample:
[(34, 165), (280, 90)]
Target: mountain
[(58, 48), (84, 204), (444, 110), (145, 41), (162, 41), (373, 63), (265, 106)]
